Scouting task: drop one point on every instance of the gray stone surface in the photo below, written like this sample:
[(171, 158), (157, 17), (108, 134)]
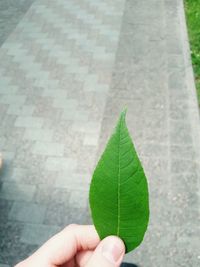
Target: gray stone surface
[(27, 212), (37, 234), (12, 250), (11, 12), (17, 191), (55, 73), (66, 72)]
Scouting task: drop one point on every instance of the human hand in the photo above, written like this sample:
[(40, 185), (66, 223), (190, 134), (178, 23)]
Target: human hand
[(77, 246)]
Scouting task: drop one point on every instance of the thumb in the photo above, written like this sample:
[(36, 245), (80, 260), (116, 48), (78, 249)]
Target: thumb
[(109, 253)]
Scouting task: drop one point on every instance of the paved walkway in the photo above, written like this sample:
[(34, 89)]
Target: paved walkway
[(66, 72), (11, 12)]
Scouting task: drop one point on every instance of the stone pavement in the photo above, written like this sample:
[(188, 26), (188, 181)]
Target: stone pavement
[(66, 72), (11, 12)]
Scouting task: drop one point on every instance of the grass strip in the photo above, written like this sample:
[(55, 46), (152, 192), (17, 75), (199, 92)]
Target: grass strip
[(192, 10)]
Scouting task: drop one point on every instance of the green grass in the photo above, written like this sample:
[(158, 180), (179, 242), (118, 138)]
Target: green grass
[(192, 10)]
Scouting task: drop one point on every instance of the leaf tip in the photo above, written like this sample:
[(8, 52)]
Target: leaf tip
[(123, 114)]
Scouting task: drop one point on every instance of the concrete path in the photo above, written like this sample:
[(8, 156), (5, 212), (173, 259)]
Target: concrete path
[(66, 72)]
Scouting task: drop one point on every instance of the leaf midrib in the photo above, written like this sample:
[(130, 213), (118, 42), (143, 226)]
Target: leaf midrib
[(119, 180)]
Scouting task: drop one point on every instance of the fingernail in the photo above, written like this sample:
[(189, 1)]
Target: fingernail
[(112, 252)]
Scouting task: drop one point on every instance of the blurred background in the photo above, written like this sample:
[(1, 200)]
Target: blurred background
[(67, 69)]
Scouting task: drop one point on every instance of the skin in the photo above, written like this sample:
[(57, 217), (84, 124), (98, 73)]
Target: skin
[(77, 246)]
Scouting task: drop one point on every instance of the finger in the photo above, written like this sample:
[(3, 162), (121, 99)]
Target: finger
[(82, 257), (73, 238), (64, 245), (109, 253)]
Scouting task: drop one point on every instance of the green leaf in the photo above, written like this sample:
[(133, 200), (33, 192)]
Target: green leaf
[(119, 191)]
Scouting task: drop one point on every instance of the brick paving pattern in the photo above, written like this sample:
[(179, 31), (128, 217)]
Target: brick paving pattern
[(55, 75), (66, 71)]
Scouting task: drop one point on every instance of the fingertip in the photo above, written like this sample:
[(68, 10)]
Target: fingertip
[(115, 240), (109, 253)]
